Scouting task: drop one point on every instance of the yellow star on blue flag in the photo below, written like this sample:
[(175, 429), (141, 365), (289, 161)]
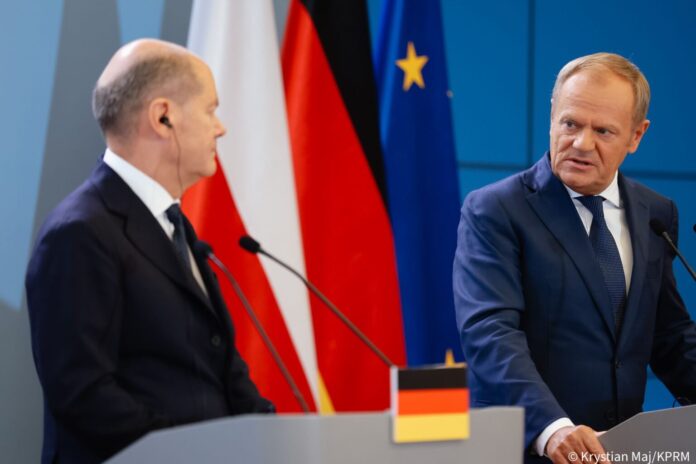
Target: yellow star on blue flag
[(412, 66)]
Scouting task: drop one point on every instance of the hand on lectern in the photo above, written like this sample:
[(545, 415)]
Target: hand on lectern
[(572, 445)]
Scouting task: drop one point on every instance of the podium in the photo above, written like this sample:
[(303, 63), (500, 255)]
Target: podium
[(667, 435), (496, 436)]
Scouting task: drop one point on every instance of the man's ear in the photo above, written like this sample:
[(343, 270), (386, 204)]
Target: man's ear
[(637, 135), (159, 118)]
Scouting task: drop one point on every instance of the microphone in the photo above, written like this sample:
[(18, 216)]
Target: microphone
[(203, 249), (659, 229), (252, 246)]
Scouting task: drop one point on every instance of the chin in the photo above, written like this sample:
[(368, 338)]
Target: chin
[(576, 183), (211, 170)]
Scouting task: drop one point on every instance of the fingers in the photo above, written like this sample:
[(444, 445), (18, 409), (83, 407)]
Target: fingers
[(594, 447), (571, 445)]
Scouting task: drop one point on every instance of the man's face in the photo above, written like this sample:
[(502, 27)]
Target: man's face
[(199, 130), (592, 130)]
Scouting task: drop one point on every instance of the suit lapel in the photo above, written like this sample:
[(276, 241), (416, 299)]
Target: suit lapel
[(210, 282), (143, 230), (214, 296), (551, 202), (637, 217)]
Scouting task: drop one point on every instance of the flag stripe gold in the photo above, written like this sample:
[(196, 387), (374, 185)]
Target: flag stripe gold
[(431, 427)]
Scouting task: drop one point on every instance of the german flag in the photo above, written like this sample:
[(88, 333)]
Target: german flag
[(339, 176), (430, 404)]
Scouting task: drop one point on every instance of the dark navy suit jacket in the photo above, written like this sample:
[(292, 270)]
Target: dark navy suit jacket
[(124, 339), (534, 314)]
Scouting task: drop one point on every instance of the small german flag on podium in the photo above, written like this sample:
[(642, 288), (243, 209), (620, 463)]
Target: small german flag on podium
[(429, 404)]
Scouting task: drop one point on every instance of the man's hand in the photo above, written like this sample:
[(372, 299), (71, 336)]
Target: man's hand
[(573, 445)]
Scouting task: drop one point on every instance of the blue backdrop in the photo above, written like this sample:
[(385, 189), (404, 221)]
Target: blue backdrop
[(502, 59)]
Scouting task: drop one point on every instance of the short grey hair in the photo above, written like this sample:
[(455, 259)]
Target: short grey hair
[(618, 65), (115, 103)]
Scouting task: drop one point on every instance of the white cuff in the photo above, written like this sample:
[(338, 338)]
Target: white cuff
[(543, 438)]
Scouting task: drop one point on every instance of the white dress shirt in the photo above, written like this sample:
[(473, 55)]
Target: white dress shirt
[(153, 195), (615, 217)]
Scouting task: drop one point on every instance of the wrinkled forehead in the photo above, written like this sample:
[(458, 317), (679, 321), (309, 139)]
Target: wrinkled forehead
[(600, 90)]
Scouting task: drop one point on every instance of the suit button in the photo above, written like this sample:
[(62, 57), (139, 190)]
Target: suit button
[(215, 340), (617, 364)]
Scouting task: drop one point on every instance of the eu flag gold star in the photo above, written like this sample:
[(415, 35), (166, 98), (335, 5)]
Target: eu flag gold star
[(412, 66)]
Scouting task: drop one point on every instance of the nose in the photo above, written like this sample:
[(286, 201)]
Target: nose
[(220, 130), (584, 140)]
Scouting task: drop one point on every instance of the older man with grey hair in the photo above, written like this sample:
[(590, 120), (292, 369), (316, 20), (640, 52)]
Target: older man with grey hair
[(129, 330)]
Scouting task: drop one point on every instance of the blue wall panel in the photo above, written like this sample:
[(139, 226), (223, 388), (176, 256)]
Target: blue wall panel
[(473, 178), (658, 37), (486, 45), (139, 18), (28, 46)]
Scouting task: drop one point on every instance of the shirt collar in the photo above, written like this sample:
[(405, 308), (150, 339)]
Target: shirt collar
[(150, 192), (610, 194)]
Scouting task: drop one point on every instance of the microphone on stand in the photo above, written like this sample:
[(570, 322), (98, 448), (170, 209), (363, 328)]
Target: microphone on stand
[(203, 249), (252, 246), (659, 229)]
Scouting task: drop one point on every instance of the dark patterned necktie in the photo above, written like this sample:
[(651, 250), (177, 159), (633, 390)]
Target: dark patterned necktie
[(607, 254), (176, 217)]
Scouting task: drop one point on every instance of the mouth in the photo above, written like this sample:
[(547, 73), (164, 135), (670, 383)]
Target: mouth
[(579, 163)]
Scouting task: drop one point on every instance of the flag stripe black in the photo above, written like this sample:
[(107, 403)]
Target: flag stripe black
[(414, 379), (344, 33)]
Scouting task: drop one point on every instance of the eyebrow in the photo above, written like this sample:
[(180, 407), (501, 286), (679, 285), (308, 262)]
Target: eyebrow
[(609, 126)]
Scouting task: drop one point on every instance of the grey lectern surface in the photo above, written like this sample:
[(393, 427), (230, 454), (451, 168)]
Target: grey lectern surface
[(496, 437), (668, 435)]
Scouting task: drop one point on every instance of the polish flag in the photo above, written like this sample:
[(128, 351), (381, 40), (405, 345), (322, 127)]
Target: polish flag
[(253, 192)]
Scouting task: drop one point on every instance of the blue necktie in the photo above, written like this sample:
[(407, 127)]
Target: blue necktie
[(607, 255), (176, 217)]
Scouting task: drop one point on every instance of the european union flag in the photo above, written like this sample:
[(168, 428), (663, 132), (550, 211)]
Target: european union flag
[(421, 172)]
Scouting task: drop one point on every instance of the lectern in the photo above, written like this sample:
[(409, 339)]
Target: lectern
[(496, 437), (667, 435)]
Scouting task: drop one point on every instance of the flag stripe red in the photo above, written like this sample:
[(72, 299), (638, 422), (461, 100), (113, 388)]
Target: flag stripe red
[(433, 401)]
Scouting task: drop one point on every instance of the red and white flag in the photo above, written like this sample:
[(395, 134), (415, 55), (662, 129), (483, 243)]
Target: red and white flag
[(254, 191)]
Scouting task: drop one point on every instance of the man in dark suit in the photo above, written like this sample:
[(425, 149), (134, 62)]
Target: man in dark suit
[(563, 294), (129, 330)]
